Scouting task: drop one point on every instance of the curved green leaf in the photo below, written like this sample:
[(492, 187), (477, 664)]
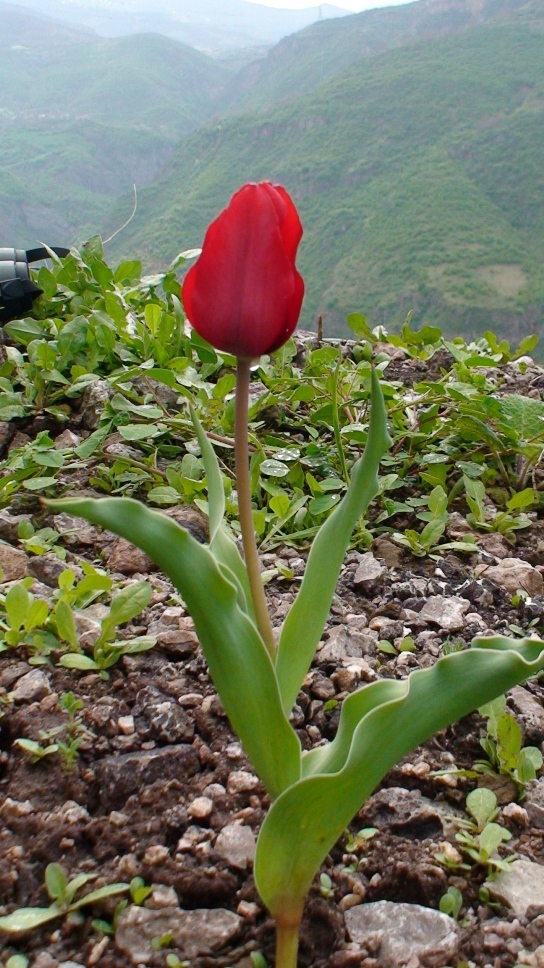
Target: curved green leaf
[(237, 658), (304, 625), (26, 919), (305, 822)]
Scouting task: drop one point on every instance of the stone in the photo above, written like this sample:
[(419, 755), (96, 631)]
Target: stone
[(92, 402), (47, 569), (31, 687), (45, 960), (344, 643), (126, 559), (241, 781), (9, 525), (201, 808), (389, 552), (534, 804), (67, 440), (12, 562), (405, 813), (447, 613), (495, 544), (166, 719), (519, 888), (513, 573), (368, 571), (530, 714), (405, 931), (236, 844), (195, 933), (156, 855), (121, 776)]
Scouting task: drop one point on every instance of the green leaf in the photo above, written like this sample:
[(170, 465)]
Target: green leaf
[(55, 881), (101, 893), (65, 622), (492, 836), (304, 625), (379, 725), (525, 415), (73, 660), (126, 605), (17, 605), (26, 919), (236, 655), (481, 804), (509, 737)]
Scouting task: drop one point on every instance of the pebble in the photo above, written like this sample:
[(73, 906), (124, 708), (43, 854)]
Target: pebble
[(12, 562), (405, 931), (345, 643), (126, 559), (368, 571), (241, 781), (520, 887), (120, 776), (195, 933), (530, 713), (156, 855), (13, 809), (236, 844), (200, 808), (447, 613), (31, 687), (126, 725), (248, 910), (513, 573)]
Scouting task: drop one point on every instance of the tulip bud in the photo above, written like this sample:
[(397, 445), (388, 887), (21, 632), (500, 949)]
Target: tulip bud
[(244, 294)]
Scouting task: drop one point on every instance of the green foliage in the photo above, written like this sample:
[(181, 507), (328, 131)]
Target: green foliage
[(62, 894), (314, 797)]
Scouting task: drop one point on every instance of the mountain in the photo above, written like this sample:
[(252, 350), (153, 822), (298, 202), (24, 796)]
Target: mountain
[(211, 25), (417, 172), (82, 118), (309, 58)]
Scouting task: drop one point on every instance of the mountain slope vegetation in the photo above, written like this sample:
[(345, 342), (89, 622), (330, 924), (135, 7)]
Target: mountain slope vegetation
[(417, 173), (309, 58), (83, 117)]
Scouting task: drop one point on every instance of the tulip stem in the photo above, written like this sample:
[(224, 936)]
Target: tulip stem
[(243, 486)]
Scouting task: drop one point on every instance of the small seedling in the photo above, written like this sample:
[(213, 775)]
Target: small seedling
[(451, 903), (64, 739), (479, 839), (62, 893), (107, 650)]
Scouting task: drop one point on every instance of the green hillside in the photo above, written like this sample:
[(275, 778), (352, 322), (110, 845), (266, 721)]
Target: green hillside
[(82, 118), (419, 178), (309, 58)]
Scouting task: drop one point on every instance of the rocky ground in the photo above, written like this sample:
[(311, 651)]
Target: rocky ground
[(161, 789)]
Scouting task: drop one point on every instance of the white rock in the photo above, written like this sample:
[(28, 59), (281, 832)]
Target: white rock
[(237, 845), (241, 781), (520, 887), (447, 613), (406, 931), (369, 570), (31, 687), (196, 933), (513, 573), (200, 808)]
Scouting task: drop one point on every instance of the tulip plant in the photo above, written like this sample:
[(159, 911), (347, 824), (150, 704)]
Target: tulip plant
[(244, 295)]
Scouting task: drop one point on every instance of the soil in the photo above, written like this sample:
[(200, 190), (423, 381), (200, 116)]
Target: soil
[(132, 803)]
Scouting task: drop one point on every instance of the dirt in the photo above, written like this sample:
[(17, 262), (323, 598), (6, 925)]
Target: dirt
[(130, 807)]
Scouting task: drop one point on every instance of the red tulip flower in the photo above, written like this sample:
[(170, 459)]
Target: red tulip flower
[(244, 294)]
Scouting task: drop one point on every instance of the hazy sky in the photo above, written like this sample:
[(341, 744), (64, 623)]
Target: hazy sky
[(355, 5)]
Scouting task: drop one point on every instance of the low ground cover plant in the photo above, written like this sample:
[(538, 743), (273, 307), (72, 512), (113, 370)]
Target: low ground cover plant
[(244, 295)]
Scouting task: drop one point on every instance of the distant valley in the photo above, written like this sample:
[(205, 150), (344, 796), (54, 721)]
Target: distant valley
[(411, 139)]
